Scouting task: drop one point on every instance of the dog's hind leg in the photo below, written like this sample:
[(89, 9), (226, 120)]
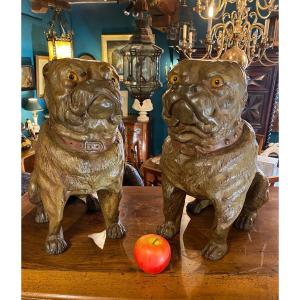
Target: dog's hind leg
[(109, 202), (54, 202), (257, 195), (173, 207), (196, 206), (34, 197)]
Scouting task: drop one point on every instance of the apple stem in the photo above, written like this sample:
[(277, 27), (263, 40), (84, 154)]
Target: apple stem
[(153, 243)]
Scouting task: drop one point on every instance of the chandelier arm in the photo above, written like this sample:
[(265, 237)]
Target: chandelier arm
[(226, 15), (267, 6), (269, 60), (222, 10)]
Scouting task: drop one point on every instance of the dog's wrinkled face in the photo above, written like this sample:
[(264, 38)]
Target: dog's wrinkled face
[(83, 96), (204, 99)]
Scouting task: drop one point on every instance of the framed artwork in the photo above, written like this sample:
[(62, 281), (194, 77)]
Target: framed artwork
[(111, 45), (87, 56), (27, 80), (124, 95), (40, 62)]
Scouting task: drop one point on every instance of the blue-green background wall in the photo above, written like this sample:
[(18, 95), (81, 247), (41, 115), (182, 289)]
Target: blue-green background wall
[(33, 42)]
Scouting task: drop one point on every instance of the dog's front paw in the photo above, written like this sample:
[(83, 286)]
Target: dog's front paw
[(55, 245), (214, 251), (245, 220), (115, 231), (167, 230), (41, 217)]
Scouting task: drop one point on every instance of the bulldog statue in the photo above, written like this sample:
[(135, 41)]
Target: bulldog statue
[(80, 147), (210, 152)]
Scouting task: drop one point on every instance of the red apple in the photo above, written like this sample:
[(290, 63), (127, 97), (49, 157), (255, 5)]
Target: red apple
[(152, 253)]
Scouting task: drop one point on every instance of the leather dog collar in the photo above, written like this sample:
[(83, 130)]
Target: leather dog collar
[(86, 146)]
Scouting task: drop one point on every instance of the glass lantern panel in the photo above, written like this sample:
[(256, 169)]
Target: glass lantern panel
[(126, 68), (134, 68), (148, 68)]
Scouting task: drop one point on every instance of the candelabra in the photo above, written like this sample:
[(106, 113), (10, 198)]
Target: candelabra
[(241, 35)]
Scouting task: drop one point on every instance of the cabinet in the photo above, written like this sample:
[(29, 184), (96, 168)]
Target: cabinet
[(137, 144), (262, 88)]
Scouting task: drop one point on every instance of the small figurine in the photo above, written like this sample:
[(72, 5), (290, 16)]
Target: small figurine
[(80, 147), (29, 127), (210, 152), (25, 142)]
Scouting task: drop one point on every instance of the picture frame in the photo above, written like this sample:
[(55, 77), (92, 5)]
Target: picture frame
[(27, 78), (111, 44), (40, 62), (124, 95)]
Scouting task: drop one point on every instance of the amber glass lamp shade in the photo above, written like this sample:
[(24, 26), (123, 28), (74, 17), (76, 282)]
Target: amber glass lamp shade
[(60, 48)]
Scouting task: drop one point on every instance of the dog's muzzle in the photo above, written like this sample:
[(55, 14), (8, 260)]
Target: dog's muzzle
[(99, 99)]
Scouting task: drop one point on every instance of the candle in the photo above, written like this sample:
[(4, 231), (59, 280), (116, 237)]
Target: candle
[(266, 30), (184, 32), (191, 38), (210, 15)]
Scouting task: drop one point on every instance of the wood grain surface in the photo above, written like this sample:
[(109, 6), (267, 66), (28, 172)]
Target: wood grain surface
[(248, 271)]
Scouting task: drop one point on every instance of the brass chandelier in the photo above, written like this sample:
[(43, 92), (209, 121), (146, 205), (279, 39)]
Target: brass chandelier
[(241, 35)]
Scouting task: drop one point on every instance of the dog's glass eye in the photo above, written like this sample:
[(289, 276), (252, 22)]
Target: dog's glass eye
[(73, 76), (217, 82), (174, 79)]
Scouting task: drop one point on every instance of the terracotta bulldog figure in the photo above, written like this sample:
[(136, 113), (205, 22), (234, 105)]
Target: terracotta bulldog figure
[(210, 152), (80, 148)]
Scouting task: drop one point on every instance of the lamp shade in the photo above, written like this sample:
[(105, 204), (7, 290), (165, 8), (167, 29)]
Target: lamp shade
[(60, 48), (32, 104)]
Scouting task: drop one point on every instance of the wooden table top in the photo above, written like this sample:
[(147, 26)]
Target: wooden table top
[(249, 271)]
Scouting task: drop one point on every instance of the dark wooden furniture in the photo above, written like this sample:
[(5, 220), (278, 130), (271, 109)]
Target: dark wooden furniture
[(262, 88), (27, 158), (151, 171), (249, 271), (137, 145)]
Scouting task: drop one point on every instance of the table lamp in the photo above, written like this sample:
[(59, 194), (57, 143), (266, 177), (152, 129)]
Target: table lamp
[(34, 106)]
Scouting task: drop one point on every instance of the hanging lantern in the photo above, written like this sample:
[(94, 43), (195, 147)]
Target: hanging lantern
[(141, 59), (59, 45)]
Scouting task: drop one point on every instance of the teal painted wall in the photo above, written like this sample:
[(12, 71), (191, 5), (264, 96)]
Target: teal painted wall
[(33, 42)]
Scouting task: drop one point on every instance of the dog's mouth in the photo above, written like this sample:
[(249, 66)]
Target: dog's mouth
[(99, 105), (186, 123)]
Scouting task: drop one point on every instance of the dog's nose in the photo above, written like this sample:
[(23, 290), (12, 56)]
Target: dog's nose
[(101, 108)]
